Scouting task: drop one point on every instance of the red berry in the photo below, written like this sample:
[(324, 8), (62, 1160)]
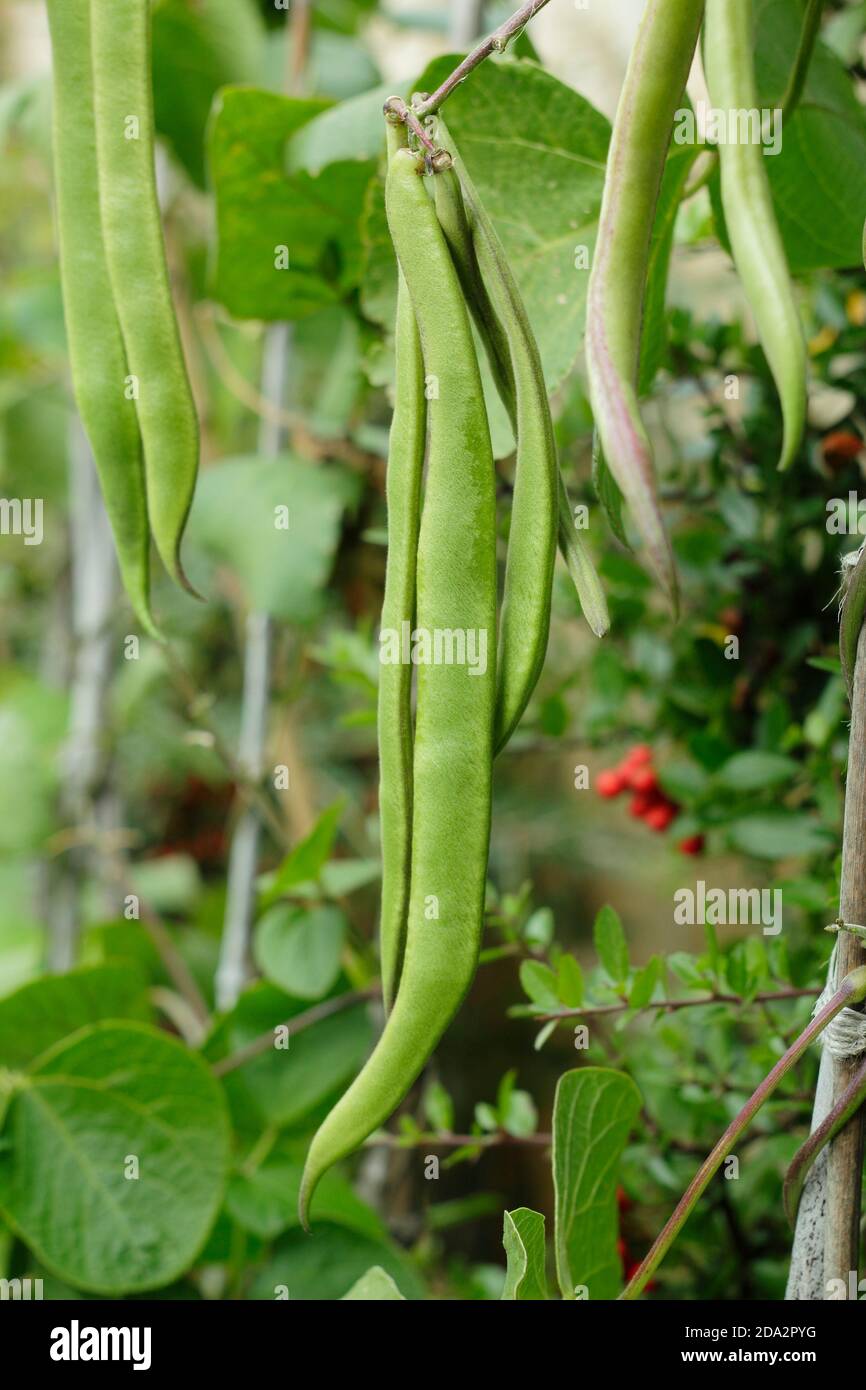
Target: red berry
[(638, 756), (659, 817), (639, 805), (609, 783), (692, 844), (642, 779)]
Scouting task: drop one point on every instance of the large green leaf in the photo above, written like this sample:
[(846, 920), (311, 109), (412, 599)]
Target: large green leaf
[(234, 521), (593, 1113), (110, 1097), (261, 206), (45, 1011), (523, 1239)]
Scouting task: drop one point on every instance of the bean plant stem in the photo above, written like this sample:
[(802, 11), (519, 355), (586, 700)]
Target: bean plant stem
[(496, 43)]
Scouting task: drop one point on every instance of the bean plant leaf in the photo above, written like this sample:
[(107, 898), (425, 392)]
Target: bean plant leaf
[(523, 1239), (196, 50), (114, 1158), (594, 1111), (818, 179), (376, 1286), (275, 524), (299, 948), (288, 242), (47, 1010), (535, 151)]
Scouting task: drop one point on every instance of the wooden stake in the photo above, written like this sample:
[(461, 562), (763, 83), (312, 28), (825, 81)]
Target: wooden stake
[(845, 1154)]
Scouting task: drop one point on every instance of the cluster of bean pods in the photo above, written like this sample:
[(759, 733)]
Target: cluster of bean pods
[(436, 769), (128, 368)]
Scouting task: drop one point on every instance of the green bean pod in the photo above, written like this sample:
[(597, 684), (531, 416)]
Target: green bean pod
[(515, 362), (456, 591), (96, 352), (403, 494), (756, 244), (525, 618), (135, 253), (654, 82)]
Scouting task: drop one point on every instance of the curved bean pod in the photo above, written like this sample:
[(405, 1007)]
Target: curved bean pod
[(654, 82), (756, 244), (403, 491), (456, 590), (135, 254), (96, 352)]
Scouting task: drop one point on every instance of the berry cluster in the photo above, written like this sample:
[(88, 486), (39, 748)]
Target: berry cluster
[(648, 802)]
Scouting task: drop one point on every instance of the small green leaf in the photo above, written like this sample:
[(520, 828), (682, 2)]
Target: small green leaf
[(686, 969), (569, 981), (540, 983), (644, 983), (611, 945), (593, 1114), (299, 949), (376, 1286), (538, 930), (519, 1115), (523, 1239), (305, 862), (439, 1108), (487, 1117)]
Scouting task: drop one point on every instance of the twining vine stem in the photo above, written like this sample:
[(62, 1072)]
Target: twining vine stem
[(496, 43), (413, 116)]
